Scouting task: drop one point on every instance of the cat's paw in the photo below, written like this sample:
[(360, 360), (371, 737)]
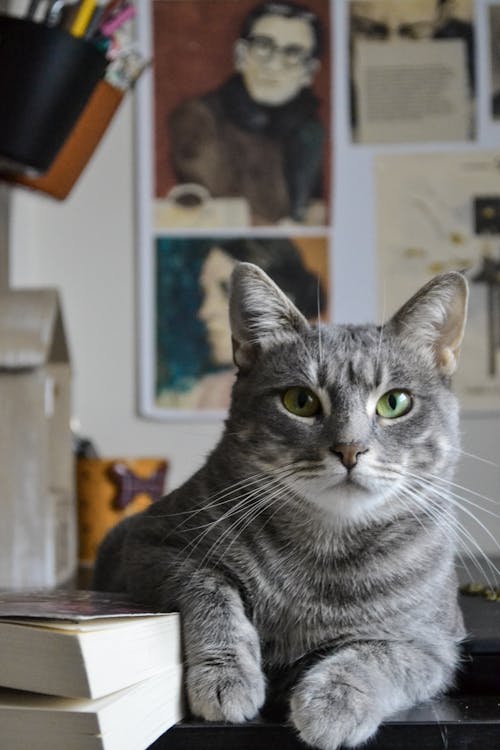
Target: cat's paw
[(225, 692), (329, 709)]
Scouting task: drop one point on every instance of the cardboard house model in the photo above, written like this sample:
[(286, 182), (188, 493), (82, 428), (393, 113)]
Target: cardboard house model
[(37, 505)]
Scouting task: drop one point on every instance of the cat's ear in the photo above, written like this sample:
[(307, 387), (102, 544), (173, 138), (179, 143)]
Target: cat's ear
[(434, 320), (260, 314)]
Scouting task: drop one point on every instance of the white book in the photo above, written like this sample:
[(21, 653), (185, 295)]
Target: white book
[(82, 644), (130, 719)]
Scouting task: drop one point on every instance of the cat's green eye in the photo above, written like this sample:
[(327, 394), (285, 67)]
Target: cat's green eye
[(394, 404), (301, 401)]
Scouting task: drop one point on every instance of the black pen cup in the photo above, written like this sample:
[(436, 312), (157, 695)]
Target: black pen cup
[(46, 78)]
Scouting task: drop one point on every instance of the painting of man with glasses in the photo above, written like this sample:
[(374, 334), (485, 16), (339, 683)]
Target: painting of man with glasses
[(255, 141)]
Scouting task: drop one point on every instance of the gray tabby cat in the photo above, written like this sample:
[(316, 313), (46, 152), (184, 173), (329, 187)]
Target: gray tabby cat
[(309, 556)]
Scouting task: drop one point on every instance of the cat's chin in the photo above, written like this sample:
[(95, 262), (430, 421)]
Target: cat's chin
[(350, 500)]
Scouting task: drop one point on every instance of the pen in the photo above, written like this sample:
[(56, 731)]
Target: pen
[(82, 18)]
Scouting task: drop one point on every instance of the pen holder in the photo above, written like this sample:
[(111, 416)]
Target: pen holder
[(46, 78), (109, 490), (78, 148)]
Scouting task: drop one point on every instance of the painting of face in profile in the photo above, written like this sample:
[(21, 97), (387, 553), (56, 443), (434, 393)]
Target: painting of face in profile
[(194, 362)]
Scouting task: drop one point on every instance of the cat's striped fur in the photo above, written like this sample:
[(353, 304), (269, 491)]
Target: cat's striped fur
[(301, 576)]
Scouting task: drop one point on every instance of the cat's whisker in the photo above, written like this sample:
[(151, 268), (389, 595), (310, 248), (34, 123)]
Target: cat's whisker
[(217, 499), (458, 501), (431, 508), (443, 489), (470, 502), (242, 500), (447, 492), (228, 495), (431, 511), (238, 509), (213, 501), (282, 493), (437, 494), (234, 510), (287, 499), (449, 482), (455, 524), (379, 348), (474, 456), (381, 333), (427, 506), (472, 515), (384, 471), (318, 304), (466, 539), (461, 556), (248, 517), (407, 506), (443, 729)]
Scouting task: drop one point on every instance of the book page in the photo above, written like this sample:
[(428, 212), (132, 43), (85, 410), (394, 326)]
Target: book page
[(412, 92)]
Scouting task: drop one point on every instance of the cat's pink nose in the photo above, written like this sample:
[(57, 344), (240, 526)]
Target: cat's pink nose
[(348, 453)]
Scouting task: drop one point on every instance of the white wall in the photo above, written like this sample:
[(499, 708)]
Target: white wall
[(86, 247)]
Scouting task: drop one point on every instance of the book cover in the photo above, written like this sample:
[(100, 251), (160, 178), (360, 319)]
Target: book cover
[(82, 644), (78, 605)]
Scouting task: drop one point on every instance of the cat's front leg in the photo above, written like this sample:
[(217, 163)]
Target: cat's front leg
[(343, 698), (224, 677)]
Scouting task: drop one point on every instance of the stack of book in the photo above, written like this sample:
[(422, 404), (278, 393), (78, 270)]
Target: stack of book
[(86, 671)]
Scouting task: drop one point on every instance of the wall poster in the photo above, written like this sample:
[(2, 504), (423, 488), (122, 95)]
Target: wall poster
[(412, 70), (440, 212), (234, 163)]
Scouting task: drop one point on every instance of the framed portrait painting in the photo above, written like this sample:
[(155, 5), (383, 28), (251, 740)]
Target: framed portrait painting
[(233, 164), (239, 112), (191, 369)]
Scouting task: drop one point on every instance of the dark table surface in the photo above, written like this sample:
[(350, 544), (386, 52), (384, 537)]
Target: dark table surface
[(468, 719), (452, 723)]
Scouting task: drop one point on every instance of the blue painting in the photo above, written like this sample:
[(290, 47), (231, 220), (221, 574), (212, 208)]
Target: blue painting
[(194, 367)]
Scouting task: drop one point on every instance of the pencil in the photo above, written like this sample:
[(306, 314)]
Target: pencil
[(82, 18)]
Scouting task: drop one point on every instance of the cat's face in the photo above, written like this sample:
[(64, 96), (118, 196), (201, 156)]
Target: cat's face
[(349, 423), (346, 415)]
